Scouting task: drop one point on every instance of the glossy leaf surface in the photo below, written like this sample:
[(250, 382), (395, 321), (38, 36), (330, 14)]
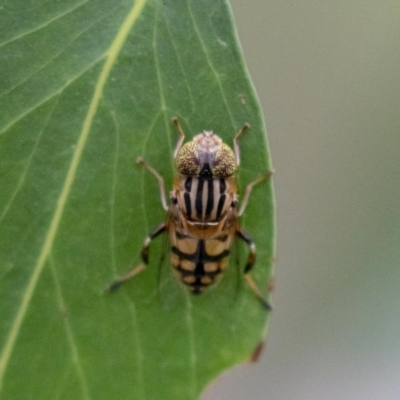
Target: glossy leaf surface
[(85, 88)]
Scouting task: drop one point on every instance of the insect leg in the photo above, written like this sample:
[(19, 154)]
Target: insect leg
[(235, 143), (181, 135), (249, 188), (145, 259), (250, 263), (159, 178)]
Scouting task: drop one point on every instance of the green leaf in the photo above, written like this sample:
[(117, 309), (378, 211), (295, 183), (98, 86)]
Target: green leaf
[(85, 88)]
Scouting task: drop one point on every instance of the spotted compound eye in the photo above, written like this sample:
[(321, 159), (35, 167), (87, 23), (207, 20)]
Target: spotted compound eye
[(192, 157), (225, 162), (187, 160)]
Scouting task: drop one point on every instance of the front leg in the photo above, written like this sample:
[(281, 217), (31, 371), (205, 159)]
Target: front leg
[(159, 178), (181, 135)]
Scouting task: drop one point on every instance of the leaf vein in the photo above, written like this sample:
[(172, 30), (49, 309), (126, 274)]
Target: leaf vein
[(22, 178), (112, 54), (179, 58), (160, 84), (69, 333), (211, 65), (113, 191), (48, 62), (138, 345), (49, 97), (44, 25), (192, 344)]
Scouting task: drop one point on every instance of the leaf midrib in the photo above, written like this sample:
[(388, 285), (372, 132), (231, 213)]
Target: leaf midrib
[(112, 55)]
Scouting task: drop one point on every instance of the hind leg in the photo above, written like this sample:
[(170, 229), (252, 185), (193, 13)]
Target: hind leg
[(145, 259), (251, 259)]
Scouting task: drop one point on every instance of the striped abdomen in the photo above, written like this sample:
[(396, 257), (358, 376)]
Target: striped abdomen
[(199, 262), (204, 199)]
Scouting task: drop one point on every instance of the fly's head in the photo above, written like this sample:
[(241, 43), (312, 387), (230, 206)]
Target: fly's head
[(206, 154)]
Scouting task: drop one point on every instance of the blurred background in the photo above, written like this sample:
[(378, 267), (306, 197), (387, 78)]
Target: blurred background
[(328, 77)]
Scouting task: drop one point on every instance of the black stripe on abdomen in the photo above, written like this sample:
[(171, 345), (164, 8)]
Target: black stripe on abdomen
[(198, 278), (200, 255)]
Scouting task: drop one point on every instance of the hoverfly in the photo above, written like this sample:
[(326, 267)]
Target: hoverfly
[(203, 214)]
